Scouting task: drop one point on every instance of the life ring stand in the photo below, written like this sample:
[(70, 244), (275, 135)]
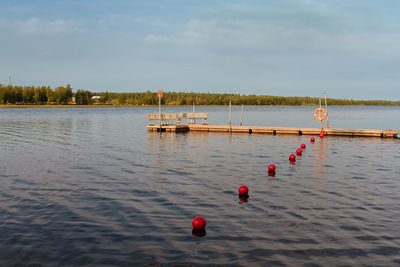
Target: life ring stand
[(317, 112)]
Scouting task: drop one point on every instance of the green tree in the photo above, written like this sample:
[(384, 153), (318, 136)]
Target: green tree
[(104, 97), (83, 97), (28, 94), (60, 95), (50, 95)]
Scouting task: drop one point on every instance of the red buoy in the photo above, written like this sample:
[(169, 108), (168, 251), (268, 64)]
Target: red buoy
[(243, 190), (292, 157), (271, 168), (303, 146), (322, 134), (199, 223), (312, 139), (299, 151)]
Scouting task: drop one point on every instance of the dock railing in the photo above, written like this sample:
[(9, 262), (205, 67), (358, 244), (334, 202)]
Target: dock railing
[(164, 118), (192, 117), (167, 119)]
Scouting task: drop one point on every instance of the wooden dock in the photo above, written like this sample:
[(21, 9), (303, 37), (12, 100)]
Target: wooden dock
[(273, 130), (175, 123)]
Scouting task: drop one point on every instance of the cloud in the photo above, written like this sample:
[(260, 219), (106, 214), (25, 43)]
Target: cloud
[(153, 38), (35, 40), (309, 28), (126, 21), (35, 26)]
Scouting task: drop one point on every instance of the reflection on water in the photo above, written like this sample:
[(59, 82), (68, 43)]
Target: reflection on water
[(199, 232), (243, 198), (92, 187)]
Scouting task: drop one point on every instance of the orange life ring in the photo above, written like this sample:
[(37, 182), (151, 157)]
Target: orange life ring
[(320, 110)]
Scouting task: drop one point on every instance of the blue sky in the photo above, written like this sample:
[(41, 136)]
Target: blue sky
[(349, 49)]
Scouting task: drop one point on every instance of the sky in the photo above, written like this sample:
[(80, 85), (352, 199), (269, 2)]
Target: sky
[(348, 49)]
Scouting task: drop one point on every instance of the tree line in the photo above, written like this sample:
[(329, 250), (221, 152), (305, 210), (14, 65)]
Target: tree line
[(174, 98), (42, 95), (63, 95)]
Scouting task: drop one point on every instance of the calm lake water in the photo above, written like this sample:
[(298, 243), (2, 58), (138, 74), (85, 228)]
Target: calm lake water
[(93, 187)]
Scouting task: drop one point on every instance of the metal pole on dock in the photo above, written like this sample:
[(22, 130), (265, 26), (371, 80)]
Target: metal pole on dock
[(322, 125), (160, 95), (159, 105), (326, 108), (230, 116), (241, 116), (193, 120), (159, 110)]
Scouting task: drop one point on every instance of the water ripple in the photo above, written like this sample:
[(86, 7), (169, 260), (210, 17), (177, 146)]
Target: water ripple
[(92, 187)]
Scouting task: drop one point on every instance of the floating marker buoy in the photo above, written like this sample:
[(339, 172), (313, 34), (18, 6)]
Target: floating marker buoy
[(243, 190), (271, 168), (321, 135), (292, 157), (312, 139), (199, 223), (299, 151), (303, 146)]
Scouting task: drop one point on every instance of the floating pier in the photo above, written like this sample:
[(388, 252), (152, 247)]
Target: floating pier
[(273, 130), (179, 126)]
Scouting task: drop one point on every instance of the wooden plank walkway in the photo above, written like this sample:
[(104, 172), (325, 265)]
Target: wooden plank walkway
[(274, 130)]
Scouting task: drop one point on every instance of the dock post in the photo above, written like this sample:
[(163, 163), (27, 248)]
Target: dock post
[(326, 108), (230, 116), (241, 116), (322, 124), (160, 95), (193, 120), (159, 110)]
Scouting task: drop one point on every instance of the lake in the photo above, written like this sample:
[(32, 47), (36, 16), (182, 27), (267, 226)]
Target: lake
[(90, 186)]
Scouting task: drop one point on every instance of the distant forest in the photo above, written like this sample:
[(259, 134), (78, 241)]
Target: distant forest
[(44, 95)]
